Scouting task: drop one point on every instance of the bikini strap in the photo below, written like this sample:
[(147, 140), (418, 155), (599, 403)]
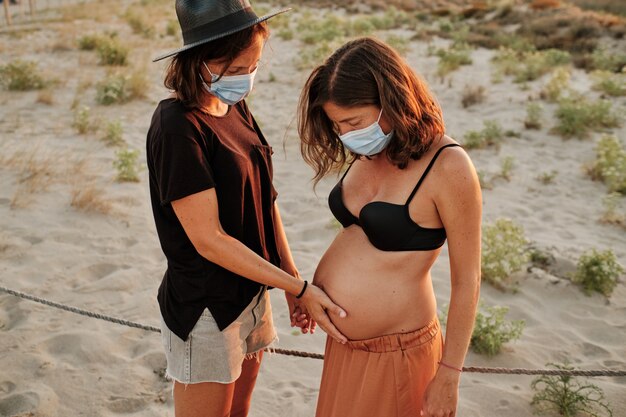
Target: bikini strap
[(430, 165), (346, 172)]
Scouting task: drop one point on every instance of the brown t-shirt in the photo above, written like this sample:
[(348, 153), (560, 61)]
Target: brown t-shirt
[(188, 152)]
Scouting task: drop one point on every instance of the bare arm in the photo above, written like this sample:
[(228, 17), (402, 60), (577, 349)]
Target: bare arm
[(459, 204), (199, 216)]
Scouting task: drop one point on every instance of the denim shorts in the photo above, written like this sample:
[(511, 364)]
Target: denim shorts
[(211, 355)]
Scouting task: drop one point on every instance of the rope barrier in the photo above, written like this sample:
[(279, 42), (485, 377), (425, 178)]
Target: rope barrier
[(287, 352)]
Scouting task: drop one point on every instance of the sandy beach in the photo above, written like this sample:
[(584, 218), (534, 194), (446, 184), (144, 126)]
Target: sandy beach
[(71, 233)]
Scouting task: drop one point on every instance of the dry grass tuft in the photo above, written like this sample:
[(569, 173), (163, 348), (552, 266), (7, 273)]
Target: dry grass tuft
[(472, 95), (89, 198), (46, 97)]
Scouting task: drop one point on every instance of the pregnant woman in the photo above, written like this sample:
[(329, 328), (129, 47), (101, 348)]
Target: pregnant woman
[(407, 188)]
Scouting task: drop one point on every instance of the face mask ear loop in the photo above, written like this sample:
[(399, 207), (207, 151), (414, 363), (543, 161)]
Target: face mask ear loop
[(207, 68), (379, 114)]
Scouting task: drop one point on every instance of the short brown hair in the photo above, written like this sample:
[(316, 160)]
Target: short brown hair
[(183, 72), (366, 71)]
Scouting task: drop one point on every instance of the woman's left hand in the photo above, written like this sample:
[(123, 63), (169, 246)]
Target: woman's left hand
[(298, 315), (442, 394)]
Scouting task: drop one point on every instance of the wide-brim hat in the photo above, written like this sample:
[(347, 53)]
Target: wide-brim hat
[(202, 21)]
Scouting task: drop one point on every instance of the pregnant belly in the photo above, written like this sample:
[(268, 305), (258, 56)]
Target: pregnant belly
[(382, 292)]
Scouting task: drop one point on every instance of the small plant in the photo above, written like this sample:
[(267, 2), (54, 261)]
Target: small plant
[(126, 165), (485, 184), (139, 25), (506, 168), (89, 42), (504, 251), (89, 199), (113, 134), (577, 116), (547, 177), (285, 34), (533, 116), (46, 97), (610, 83), (21, 76), (313, 31), (611, 216), (453, 58), (314, 55), (111, 52), (610, 164), (472, 95), (608, 61), (172, 27), (563, 394), (82, 120), (598, 272), (528, 65), (399, 43), (121, 88), (491, 135), (491, 331), (559, 82)]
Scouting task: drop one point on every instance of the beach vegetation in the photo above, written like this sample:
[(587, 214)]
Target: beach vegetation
[(556, 86), (597, 271), (89, 198), (19, 75), (472, 95), (610, 164), (89, 42), (46, 96), (576, 116), (504, 251), (612, 84), (492, 134), (604, 60), (547, 177), (314, 55), (172, 28), (566, 396), (120, 88), (540, 258), (113, 133), (285, 34), (527, 66), (312, 30), (611, 214), (484, 182), (506, 167), (111, 52), (533, 119), (492, 330), (139, 25), (126, 165), (453, 58), (399, 43), (82, 121)]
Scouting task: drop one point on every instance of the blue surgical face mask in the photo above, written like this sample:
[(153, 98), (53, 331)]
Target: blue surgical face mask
[(230, 89), (367, 141)]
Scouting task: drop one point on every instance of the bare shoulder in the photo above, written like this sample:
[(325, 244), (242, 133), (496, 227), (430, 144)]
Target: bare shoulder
[(454, 168)]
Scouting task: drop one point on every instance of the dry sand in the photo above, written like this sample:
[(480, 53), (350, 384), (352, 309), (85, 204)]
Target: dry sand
[(54, 363)]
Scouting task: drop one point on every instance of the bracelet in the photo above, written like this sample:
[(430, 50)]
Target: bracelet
[(450, 366), (303, 289)]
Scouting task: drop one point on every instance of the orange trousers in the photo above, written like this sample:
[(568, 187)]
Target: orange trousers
[(384, 376)]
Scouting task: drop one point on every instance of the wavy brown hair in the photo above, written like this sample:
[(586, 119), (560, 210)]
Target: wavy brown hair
[(366, 71), (183, 72)]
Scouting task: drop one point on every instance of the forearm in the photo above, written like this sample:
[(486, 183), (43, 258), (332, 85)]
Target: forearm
[(236, 257), (460, 323), (287, 262)]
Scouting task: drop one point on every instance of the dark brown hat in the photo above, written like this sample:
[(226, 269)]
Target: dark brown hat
[(205, 20)]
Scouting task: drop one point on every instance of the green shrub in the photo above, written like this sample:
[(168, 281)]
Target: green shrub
[(126, 165), (506, 167), (111, 52), (563, 394), (577, 116), (172, 28), (526, 65), (491, 331), (89, 42), (361, 26), (139, 25), (610, 83), (121, 88), (113, 134), (82, 120), (533, 116), (598, 272), (491, 135), (285, 34), (21, 76), (504, 251), (399, 43), (608, 61), (314, 55), (559, 83), (312, 31), (453, 58), (547, 177), (610, 164), (611, 215)]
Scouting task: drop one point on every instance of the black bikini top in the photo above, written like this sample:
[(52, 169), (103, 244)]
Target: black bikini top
[(389, 226)]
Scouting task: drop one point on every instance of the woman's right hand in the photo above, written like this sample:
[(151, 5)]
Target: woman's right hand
[(317, 303)]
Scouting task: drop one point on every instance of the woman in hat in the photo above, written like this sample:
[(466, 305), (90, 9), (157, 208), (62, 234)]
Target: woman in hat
[(408, 187), (214, 206)]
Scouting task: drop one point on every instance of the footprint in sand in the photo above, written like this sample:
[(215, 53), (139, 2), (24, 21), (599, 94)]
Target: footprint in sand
[(593, 351), (11, 315), (126, 405), (7, 387), (18, 403)]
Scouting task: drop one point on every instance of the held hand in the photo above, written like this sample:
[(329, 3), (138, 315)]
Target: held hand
[(442, 394), (298, 315), (317, 304)]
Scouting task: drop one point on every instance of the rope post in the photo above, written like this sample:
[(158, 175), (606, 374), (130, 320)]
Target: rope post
[(7, 14)]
